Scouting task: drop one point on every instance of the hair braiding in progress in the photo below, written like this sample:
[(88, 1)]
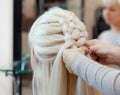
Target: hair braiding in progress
[(52, 33)]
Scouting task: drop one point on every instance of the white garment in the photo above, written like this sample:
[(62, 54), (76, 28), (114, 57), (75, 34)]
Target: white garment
[(110, 37), (103, 78)]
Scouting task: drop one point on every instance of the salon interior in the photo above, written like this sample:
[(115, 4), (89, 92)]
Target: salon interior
[(16, 19)]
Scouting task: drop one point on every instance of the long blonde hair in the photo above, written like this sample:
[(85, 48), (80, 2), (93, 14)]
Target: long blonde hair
[(54, 31)]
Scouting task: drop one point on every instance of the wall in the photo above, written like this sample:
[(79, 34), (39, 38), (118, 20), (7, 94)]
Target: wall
[(90, 7), (75, 6), (6, 44)]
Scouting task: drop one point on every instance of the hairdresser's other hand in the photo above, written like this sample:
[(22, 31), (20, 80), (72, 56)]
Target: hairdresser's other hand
[(102, 52), (70, 54)]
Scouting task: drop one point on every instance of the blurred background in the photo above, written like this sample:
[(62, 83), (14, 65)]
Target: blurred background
[(16, 18)]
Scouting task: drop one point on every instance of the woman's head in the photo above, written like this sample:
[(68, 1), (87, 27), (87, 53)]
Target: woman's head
[(111, 11), (54, 31)]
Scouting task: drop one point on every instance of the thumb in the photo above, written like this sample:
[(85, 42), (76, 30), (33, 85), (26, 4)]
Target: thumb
[(91, 42), (83, 50), (93, 48)]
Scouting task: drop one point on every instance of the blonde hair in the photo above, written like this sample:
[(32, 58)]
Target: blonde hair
[(110, 1), (54, 31)]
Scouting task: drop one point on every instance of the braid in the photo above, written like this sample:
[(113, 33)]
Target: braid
[(54, 31)]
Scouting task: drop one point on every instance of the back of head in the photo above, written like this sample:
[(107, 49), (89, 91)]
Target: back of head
[(54, 31)]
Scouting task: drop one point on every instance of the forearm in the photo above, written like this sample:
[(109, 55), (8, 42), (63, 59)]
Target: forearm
[(105, 79)]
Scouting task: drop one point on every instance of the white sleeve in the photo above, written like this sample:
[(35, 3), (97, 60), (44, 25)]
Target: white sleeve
[(103, 78), (107, 37)]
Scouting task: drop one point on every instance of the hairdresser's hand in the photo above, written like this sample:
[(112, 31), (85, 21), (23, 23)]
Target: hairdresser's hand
[(101, 52), (70, 54)]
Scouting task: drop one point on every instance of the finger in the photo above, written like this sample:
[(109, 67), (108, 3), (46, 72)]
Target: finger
[(82, 50), (106, 61), (93, 56), (85, 49), (91, 42), (93, 49)]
